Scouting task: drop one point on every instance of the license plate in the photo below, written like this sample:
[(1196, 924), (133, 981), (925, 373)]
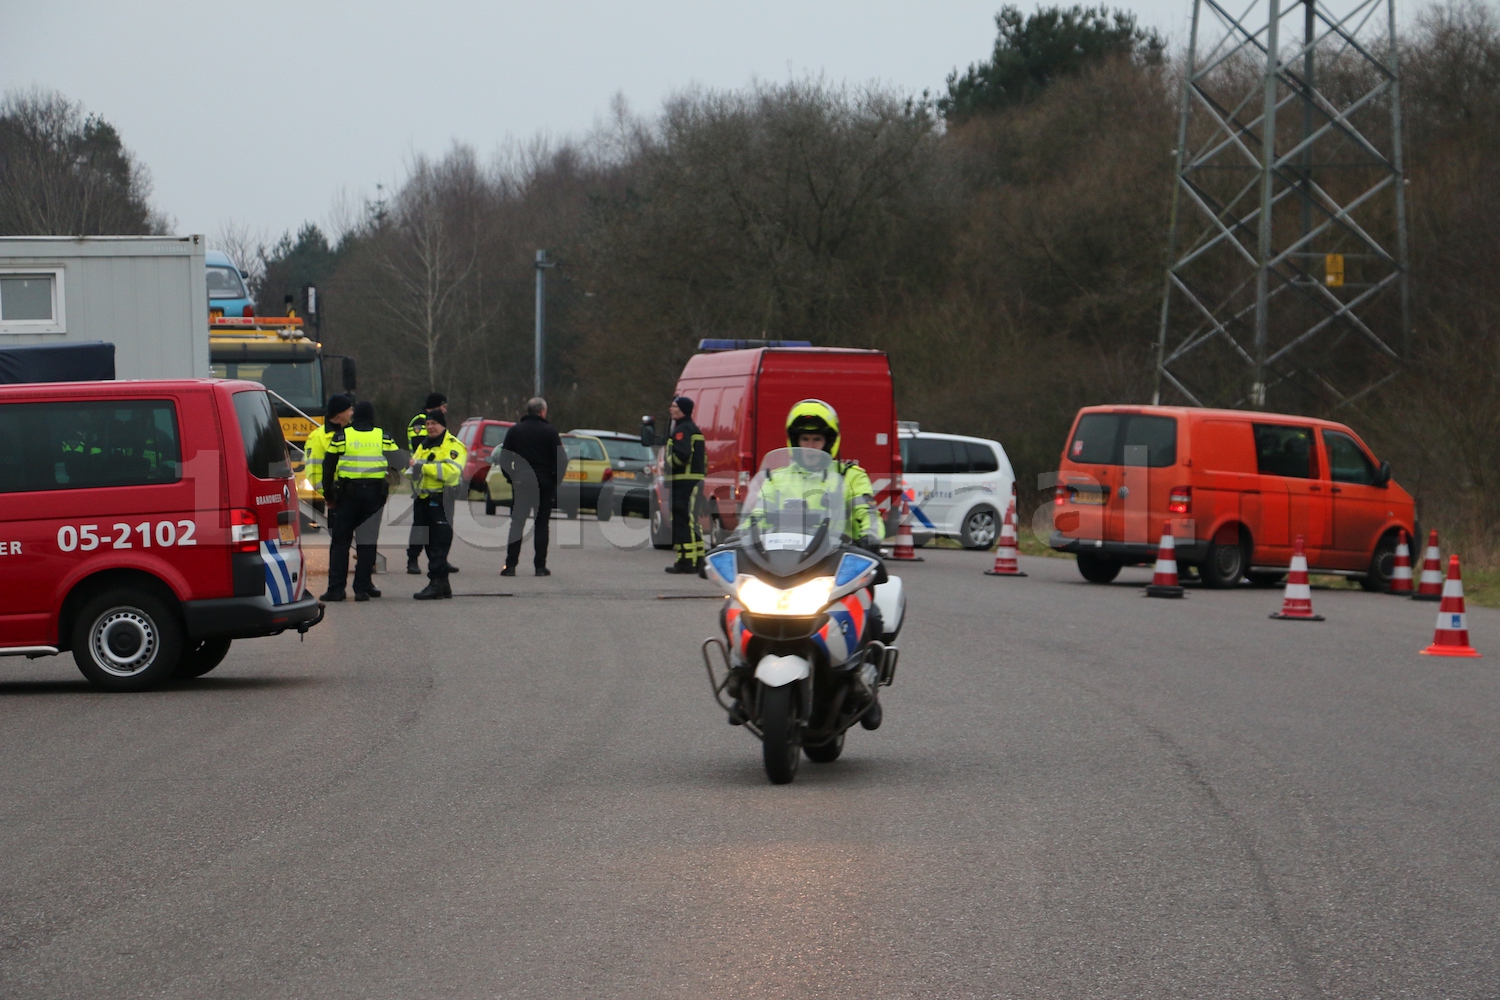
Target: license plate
[(1095, 498), (624, 475), (577, 477), (288, 534)]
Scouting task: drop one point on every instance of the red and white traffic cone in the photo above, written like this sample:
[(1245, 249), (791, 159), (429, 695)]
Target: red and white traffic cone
[(905, 550), (1005, 557), (1297, 604), (1452, 635), (1164, 579), (1401, 575), (1430, 587)]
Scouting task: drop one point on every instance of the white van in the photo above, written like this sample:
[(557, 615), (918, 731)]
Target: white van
[(959, 486)]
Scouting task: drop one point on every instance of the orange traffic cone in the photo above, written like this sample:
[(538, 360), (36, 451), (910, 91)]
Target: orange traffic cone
[(1005, 556), (1401, 575), (1430, 587), (1164, 580), (1297, 604), (905, 549), (1452, 635)]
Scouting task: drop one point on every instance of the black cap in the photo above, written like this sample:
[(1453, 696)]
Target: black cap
[(434, 400), (439, 416), (684, 404), (364, 413), (338, 403)]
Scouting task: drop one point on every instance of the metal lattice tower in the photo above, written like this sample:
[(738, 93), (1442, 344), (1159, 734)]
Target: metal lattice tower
[(1288, 271)]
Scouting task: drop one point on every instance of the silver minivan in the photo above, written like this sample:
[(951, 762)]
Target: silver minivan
[(957, 486)]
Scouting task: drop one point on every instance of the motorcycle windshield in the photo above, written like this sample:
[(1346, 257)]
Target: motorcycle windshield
[(794, 514)]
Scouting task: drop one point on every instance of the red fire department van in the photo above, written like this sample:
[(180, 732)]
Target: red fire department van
[(1237, 486), (145, 525), (740, 402)]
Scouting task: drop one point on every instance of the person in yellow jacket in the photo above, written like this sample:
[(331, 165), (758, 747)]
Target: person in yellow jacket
[(813, 424), (354, 490), (340, 411), (436, 467)]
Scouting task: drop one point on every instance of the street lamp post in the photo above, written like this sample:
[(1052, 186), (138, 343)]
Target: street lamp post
[(542, 263)]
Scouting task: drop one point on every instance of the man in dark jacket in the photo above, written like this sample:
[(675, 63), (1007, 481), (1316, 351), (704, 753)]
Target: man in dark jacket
[(532, 458), (685, 469)]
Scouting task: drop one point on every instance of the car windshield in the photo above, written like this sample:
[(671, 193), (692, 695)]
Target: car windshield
[(794, 511), (225, 283), (626, 451)]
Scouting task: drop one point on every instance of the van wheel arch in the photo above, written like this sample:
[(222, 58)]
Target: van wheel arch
[(84, 590), (1376, 581)]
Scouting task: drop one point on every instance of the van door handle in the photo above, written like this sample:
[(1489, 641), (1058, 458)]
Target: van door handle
[(1315, 489), (1335, 489)]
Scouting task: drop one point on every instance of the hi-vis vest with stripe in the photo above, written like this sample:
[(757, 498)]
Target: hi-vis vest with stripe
[(361, 454), (442, 465)]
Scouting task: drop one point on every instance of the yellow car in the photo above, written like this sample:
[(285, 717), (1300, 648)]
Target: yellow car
[(588, 470)]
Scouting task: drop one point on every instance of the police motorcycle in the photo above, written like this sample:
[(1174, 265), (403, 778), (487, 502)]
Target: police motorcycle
[(811, 623)]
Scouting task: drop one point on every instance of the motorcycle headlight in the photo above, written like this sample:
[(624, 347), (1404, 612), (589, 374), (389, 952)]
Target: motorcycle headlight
[(761, 598)]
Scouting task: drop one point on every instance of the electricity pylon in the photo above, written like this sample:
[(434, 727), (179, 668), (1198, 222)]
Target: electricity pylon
[(1288, 266)]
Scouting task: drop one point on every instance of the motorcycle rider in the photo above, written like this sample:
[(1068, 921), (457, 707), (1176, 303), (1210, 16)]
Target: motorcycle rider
[(814, 425)]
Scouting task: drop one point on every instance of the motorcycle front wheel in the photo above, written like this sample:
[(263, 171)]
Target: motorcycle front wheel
[(778, 727)]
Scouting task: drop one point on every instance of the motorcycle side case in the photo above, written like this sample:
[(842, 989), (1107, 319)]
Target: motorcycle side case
[(890, 598)]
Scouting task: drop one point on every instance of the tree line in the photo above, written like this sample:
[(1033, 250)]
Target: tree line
[(1004, 242)]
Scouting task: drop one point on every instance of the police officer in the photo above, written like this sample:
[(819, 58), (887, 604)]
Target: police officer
[(685, 468), (340, 411), (416, 430), (437, 465), (354, 470)]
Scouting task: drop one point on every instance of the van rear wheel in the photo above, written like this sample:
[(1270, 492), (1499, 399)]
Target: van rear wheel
[(1223, 566), (202, 656), (1098, 569), (127, 640)]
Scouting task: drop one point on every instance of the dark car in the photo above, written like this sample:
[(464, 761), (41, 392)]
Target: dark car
[(629, 490)]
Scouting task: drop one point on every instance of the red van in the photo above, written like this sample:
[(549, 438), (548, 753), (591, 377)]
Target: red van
[(740, 402), (145, 525), (1238, 487)]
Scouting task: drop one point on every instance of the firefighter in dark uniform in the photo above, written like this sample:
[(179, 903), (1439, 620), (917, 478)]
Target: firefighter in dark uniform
[(354, 488), (685, 468), (416, 430), (437, 465)]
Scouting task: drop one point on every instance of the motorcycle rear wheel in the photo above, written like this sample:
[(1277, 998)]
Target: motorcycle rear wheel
[(778, 727), (826, 753)]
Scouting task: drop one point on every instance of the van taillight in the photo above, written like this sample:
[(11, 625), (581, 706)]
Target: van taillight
[(1060, 494), (244, 531), (1180, 501)]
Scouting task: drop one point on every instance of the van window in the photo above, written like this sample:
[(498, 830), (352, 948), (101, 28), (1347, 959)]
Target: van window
[(935, 457), (493, 435), (1283, 451), (982, 458), (265, 448), (88, 444), (1101, 439), (1347, 462)]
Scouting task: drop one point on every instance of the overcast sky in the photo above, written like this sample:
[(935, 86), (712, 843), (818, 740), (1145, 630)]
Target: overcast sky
[(264, 112)]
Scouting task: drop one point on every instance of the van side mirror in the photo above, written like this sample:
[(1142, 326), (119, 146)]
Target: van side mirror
[(1383, 477), (648, 432), (348, 375)]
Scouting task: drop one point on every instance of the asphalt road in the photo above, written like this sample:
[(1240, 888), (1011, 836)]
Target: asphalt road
[(1077, 792)]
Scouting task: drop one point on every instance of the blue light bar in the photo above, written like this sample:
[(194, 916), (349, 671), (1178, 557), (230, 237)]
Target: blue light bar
[(718, 344)]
